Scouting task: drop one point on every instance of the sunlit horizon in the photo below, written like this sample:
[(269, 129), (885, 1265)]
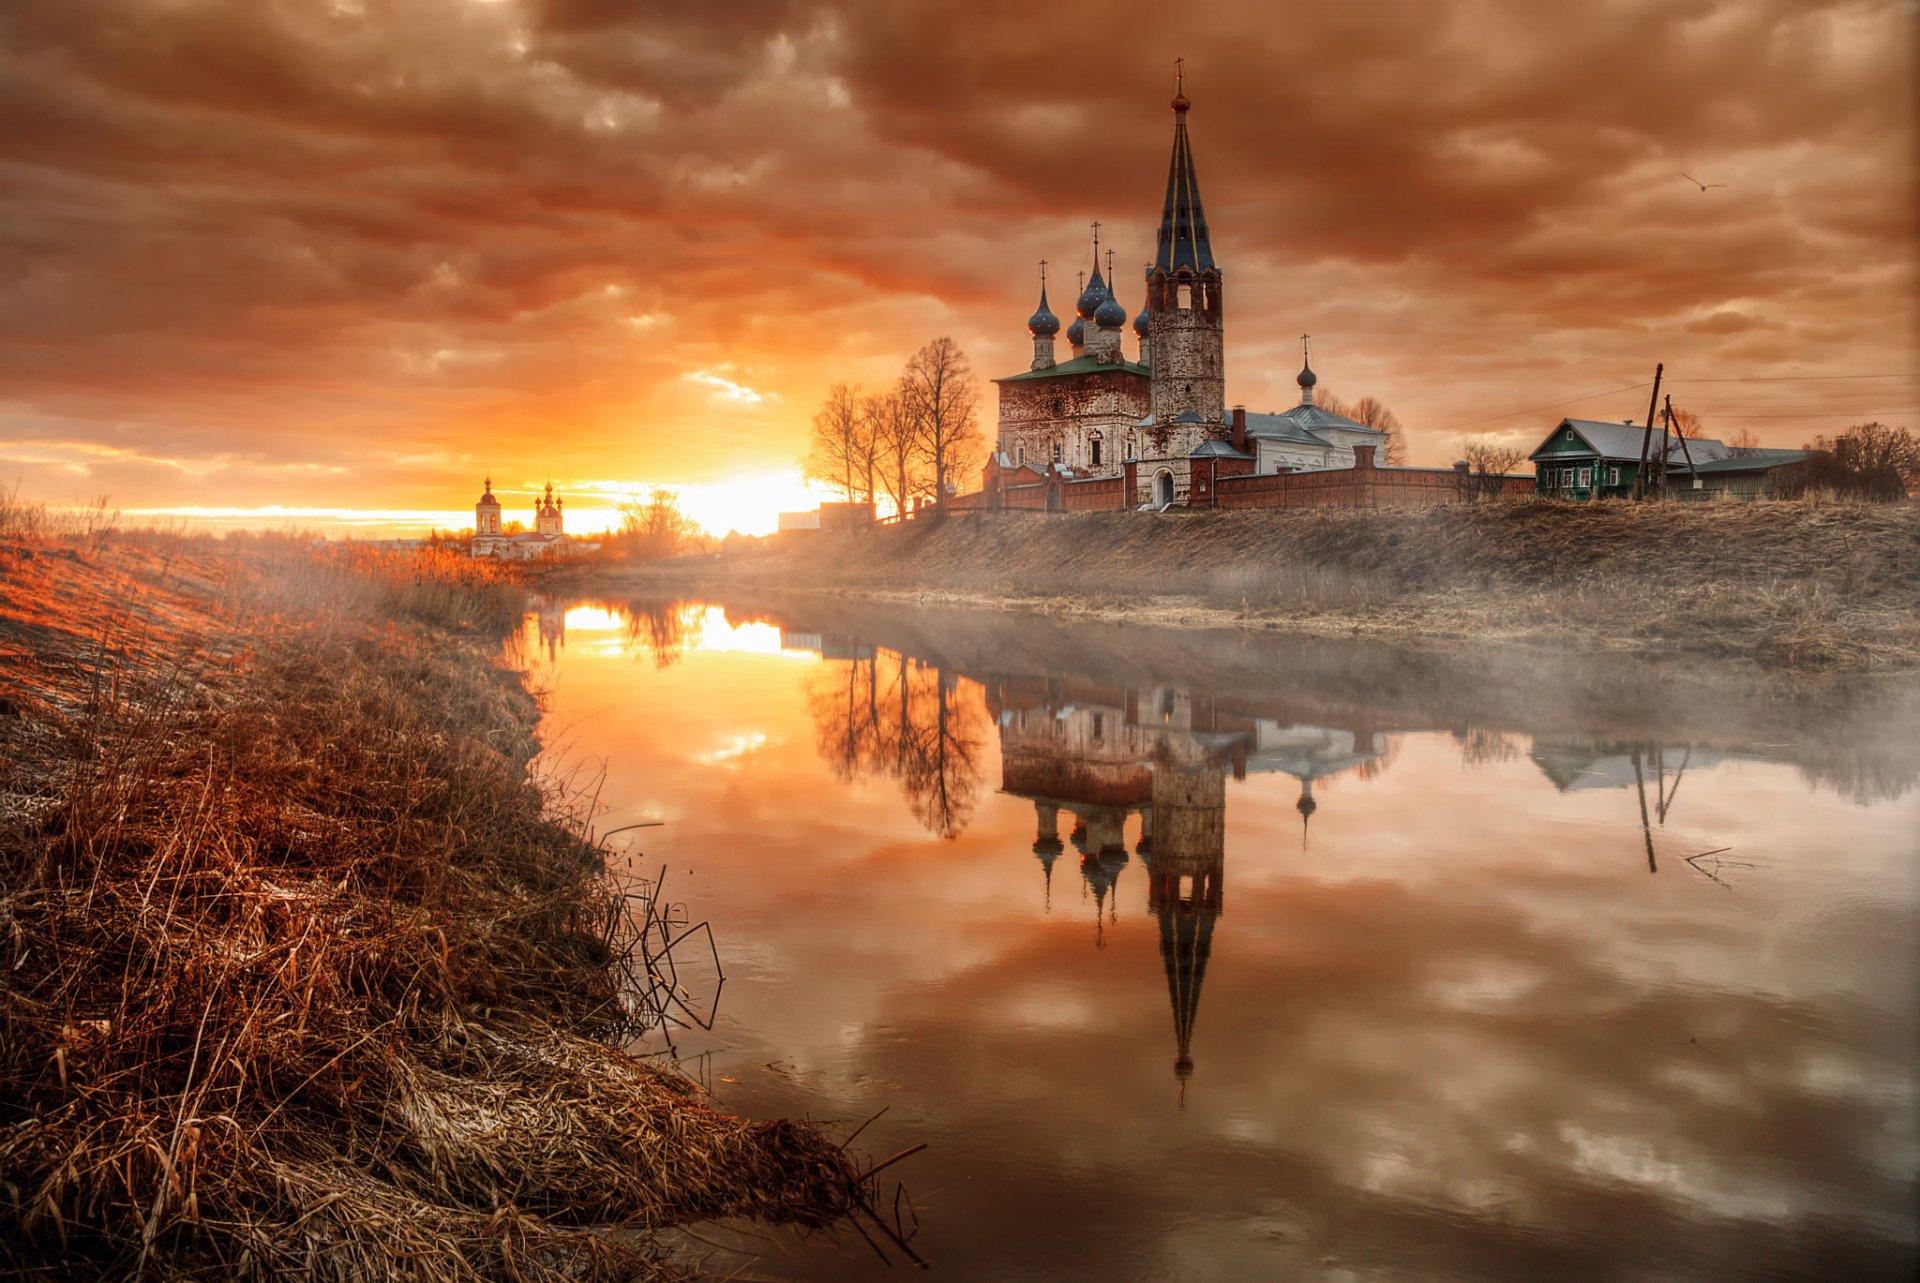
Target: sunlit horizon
[(749, 504)]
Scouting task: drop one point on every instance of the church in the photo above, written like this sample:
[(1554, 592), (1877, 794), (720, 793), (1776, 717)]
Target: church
[(1161, 418), (548, 538)]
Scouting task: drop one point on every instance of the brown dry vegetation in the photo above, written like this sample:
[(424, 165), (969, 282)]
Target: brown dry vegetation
[(302, 974), (1802, 584)]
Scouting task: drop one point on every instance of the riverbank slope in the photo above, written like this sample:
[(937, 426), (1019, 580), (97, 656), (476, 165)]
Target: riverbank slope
[(304, 974), (1803, 584)]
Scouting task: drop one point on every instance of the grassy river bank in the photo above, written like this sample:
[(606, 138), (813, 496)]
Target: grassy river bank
[(304, 974), (1800, 585)]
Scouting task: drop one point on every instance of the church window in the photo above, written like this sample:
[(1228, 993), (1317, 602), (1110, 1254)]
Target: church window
[(1056, 452), (1096, 450), (1185, 296), (1059, 407), (1020, 456)]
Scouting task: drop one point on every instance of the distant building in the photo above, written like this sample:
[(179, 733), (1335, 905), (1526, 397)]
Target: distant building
[(1590, 459), (829, 516), (548, 538)]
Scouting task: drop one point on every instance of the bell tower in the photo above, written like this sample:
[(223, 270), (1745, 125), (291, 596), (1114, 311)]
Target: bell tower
[(1185, 303)]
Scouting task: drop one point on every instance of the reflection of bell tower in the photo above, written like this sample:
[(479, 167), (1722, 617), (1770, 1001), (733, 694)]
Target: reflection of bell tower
[(1184, 886), (1046, 842), (1100, 837), (552, 621)]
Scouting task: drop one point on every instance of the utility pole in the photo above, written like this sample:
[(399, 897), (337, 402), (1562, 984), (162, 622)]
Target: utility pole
[(1646, 439), (1692, 475)]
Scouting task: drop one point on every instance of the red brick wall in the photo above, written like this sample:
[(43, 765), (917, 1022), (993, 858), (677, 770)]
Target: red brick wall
[(1099, 493), (1357, 488), (1032, 497)]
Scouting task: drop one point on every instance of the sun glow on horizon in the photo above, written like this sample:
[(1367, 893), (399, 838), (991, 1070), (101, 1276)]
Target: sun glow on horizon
[(750, 503)]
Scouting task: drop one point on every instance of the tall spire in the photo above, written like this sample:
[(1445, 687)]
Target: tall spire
[(1183, 223)]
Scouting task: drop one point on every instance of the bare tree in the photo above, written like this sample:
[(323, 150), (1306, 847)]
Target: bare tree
[(1370, 412), (1874, 456), (896, 459), (1741, 440), (1687, 424), (1488, 461), (835, 457), (939, 389), (1373, 412), (654, 528)]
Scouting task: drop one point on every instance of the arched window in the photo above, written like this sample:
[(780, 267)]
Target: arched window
[(1184, 298)]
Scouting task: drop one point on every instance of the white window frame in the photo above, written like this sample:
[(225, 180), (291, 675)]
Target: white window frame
[(1583, 479)]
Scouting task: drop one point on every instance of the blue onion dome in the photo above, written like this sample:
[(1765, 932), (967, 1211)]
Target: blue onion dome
[(1142, 323), (1307, 377), (1077, 332), (1093, 295), (1110, 315), (1043, 324)]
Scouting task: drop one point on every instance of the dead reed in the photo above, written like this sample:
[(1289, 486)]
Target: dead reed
[(303, 977)]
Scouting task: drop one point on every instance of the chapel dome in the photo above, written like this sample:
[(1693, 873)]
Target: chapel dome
[(1093, 296), (1077, 332), (1043, 323), (1110, 315), (1143, 322)]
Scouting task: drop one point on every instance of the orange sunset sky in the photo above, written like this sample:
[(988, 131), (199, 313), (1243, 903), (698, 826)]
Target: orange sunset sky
[(286, 260)]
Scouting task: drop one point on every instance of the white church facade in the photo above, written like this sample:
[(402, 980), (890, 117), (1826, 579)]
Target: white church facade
[(548, 538)]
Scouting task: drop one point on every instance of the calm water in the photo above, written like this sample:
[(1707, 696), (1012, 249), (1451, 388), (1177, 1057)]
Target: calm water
[(1215, 958)]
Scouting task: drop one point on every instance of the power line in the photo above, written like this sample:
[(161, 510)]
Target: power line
[(1631, 387), (1800, 378)]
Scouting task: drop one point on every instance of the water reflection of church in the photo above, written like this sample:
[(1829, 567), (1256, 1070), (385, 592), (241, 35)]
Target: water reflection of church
[(1103, 754)]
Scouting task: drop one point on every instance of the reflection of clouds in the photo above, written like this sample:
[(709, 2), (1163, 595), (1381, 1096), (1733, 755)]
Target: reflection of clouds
[(1466, 1035)]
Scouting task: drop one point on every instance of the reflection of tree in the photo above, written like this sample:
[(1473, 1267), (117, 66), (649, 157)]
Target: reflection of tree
[(667, 631), (1480, 746), (893, 717)]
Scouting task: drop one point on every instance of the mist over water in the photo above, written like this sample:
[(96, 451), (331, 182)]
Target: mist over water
[(1204, 956)]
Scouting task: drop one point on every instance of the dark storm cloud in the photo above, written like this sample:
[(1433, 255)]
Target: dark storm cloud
[(273, 231)]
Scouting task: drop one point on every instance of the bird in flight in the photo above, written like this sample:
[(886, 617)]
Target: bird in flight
[(1703, 186)]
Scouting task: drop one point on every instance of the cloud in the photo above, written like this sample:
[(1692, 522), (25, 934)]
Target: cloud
[(297, 232)]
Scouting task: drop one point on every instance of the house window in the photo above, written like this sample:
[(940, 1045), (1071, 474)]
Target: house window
[(1586, 478), (1613, 475), (1096, 451)]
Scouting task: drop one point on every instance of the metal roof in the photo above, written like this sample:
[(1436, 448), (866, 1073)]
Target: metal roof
[(1183, 223), (1299, 425), (1217, 450), (1622, 443), (1078, 365), (1749, 461)]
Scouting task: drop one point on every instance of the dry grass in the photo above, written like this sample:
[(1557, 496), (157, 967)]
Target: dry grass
[(1811, 583), (303, 977)]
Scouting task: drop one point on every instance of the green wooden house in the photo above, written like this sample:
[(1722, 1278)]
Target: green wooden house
[(1589, 459)]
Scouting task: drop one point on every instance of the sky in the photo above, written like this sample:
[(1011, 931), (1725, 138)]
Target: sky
[(297, 260)]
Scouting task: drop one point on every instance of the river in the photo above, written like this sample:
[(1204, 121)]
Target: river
[(1204, 956)]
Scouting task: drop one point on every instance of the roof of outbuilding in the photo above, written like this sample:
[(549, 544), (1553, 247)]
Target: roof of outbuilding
[(1078, 365), (1299, 425), (1217, 450), (1747, 461)]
